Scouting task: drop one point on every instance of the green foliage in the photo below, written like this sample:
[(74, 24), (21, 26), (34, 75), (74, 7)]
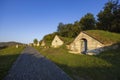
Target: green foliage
[(102, 67), (76, 28), (35, 41), (88, 22), (68, 30), (7, 57), (108, 20), (109, 17), (72, 30), (65, 30), (66, 40), (48, 38)]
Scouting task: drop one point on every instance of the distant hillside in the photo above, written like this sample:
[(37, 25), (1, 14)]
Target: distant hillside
[(6, 44), (104, 37)]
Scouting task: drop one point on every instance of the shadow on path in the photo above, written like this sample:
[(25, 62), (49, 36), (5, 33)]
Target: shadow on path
[(31, 65)]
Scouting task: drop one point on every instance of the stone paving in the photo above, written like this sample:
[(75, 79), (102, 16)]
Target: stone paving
[(31, 65)]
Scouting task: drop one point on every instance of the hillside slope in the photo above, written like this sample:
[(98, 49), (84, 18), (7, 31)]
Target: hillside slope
[(104, 37)]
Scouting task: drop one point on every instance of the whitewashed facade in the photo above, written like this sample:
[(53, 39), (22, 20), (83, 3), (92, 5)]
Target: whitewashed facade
[(86, 44), (57, 42)]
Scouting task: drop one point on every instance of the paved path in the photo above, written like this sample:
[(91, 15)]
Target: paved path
[(31, 65)]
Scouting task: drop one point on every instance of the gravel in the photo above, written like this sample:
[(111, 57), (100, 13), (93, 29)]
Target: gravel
[(31, 65)]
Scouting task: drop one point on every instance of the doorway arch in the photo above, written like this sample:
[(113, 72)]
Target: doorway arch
[(83, 46)]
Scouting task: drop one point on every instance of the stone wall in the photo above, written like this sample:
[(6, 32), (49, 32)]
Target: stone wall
[(57, 42), (43, 43), (101, 49), (77, 45)]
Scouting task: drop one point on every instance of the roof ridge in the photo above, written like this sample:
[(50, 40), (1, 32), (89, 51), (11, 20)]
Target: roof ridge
[(92, 37)]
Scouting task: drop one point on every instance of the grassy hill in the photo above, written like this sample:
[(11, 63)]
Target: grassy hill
[(7, 44), (105, 66), (104, 36)]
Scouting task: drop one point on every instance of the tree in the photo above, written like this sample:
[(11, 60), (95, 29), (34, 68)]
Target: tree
[(49, 37), (76, 28), (109, 17), (72, 30), (35, 41), (69, 30), (60, 27), (88, 22)]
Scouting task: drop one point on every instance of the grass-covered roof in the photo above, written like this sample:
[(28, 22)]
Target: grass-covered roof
[(104, 37)]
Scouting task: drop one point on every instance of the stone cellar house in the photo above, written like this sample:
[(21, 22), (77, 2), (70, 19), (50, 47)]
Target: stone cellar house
[(84, 43), (42, 43), (57, 42), (89, 42), (36, 44)]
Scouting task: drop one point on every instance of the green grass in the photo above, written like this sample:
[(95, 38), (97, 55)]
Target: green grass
[(104, 36), (66, 40), (7, 57), (105, 66)]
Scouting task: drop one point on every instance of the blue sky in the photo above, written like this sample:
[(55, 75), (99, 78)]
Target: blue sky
[(24, 20)]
